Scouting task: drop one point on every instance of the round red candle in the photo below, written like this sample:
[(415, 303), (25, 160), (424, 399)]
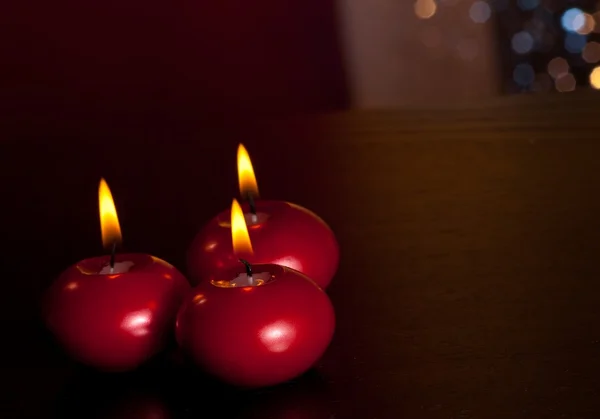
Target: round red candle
[(255, 325), (282, 233), (114, 312)]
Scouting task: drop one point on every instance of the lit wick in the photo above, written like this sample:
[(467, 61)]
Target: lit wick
[(252, 205), (112, 257), (248, 270)]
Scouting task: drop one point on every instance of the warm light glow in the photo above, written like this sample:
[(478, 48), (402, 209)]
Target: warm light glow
[(239, 230), (246, 178), (72, 286), (565, 83), (595, 78), (424, 9), (109, 222), (588, 24), (591, 52), (558, 67)]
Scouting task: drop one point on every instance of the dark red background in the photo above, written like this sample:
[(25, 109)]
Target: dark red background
[(184, 57)]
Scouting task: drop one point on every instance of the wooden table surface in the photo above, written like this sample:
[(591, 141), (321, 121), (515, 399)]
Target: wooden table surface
[(469, 284)]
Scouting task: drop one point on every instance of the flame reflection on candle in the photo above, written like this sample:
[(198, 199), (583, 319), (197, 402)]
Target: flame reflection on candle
[(137, 322), (278, 336)]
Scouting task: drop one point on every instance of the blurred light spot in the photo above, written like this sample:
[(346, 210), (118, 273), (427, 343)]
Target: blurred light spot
[(573, 20), (588, 26), (565, 83), (591, 52), (542, 83), (522, 42), (557, 67), (575, 43), (528, 4), (595, 78), (467, 49), (480, 12), (431, 37), (425, 9), (523, 75), (210, 246), (73, 285), (199, 299)]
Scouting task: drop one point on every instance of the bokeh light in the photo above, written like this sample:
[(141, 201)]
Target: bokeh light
[(533, 31), (565, 83), (575, 43), (591, 52), (425, 9), (595, 78), (588, 26), (523, 75), (557, 67), (522, 42), (480, 12), (573, 20)]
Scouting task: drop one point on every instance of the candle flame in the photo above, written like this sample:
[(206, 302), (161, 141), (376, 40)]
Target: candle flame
[(239, 230), (246, 178), (109, 222)]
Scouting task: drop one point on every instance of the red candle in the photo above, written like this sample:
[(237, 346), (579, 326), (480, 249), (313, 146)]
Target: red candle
[(255, 325), (282, 233), (114, 312)]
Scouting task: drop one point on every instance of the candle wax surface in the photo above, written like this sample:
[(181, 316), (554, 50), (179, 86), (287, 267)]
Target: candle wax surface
[(243, 280), (118, 268), (114, 321), (283, 234), (271, 333), (251, 219)]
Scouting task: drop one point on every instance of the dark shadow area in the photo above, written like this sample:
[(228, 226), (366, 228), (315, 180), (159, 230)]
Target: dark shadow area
[(162, 390)]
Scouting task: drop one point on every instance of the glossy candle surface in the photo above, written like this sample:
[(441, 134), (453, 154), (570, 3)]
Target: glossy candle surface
[(282, 233), (254, 336), (115, 321)]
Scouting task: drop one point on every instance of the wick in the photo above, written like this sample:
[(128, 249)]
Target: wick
[(250, 199), (248, 270), (112, 257)]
